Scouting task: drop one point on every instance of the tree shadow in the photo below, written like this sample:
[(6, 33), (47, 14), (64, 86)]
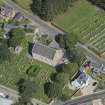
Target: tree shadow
[(30, 46), (59, 68), (20, 86), (46, 87)]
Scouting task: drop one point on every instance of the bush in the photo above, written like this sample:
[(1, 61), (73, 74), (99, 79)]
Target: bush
[(5, 54), (52, 90), (62, 78), (16, 37)]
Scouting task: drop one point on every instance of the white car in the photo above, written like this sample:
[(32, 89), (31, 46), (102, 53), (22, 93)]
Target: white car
[(2, 95)]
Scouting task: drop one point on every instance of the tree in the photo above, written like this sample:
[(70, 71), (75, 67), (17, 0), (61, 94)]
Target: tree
[(48, 9), (99, 3), (71, 40), (61, 78), (67, 41), (79, 56), (26, 89), (16, 37), (53, 90), (18, 103), (71, 69), (5, 54), (36, 6), (61, 40)]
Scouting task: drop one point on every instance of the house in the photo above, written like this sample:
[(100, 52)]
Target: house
[(47, 54), (80, 80), (7, 12), (18, 17)]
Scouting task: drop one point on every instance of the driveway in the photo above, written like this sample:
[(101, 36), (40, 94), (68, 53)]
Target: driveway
[(97, 102), (90, 88)]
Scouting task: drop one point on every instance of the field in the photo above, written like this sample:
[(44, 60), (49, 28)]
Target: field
[(86, 21), (24, 3)]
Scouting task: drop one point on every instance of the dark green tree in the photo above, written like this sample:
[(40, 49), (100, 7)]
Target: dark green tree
[(48, 9), (27, 90), (67, 41), (99, 3), (5, 54), (61, 78), (79, 56), (16, 37), (53, 90), (18, 103)]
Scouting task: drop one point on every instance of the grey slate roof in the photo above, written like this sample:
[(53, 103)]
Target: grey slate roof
[(43, 50), (82, 78), (54, 44)]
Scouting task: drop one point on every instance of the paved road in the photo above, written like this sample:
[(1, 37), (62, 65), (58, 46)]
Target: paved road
[(84, 99), (13, 95), (44, 27), (91, 55)]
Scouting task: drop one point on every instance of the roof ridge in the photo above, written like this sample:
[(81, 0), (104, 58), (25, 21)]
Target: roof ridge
[(45, 45)]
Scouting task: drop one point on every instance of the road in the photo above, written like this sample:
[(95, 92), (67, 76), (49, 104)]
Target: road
[(44, 27), (84, 99), (91, 55), (13, 95)]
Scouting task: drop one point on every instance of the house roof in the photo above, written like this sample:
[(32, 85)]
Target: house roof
[(43, 50), (81, 78), (54, 44)]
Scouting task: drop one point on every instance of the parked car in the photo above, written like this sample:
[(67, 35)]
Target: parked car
[(2, 95)]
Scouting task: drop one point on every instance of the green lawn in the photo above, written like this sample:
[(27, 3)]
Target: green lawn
[(24, 3), (86, 21), (11, 72), (1, 2)]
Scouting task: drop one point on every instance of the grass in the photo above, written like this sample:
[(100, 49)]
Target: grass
[(24, 3), (86, 21), (1, 2), (11, 72)]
